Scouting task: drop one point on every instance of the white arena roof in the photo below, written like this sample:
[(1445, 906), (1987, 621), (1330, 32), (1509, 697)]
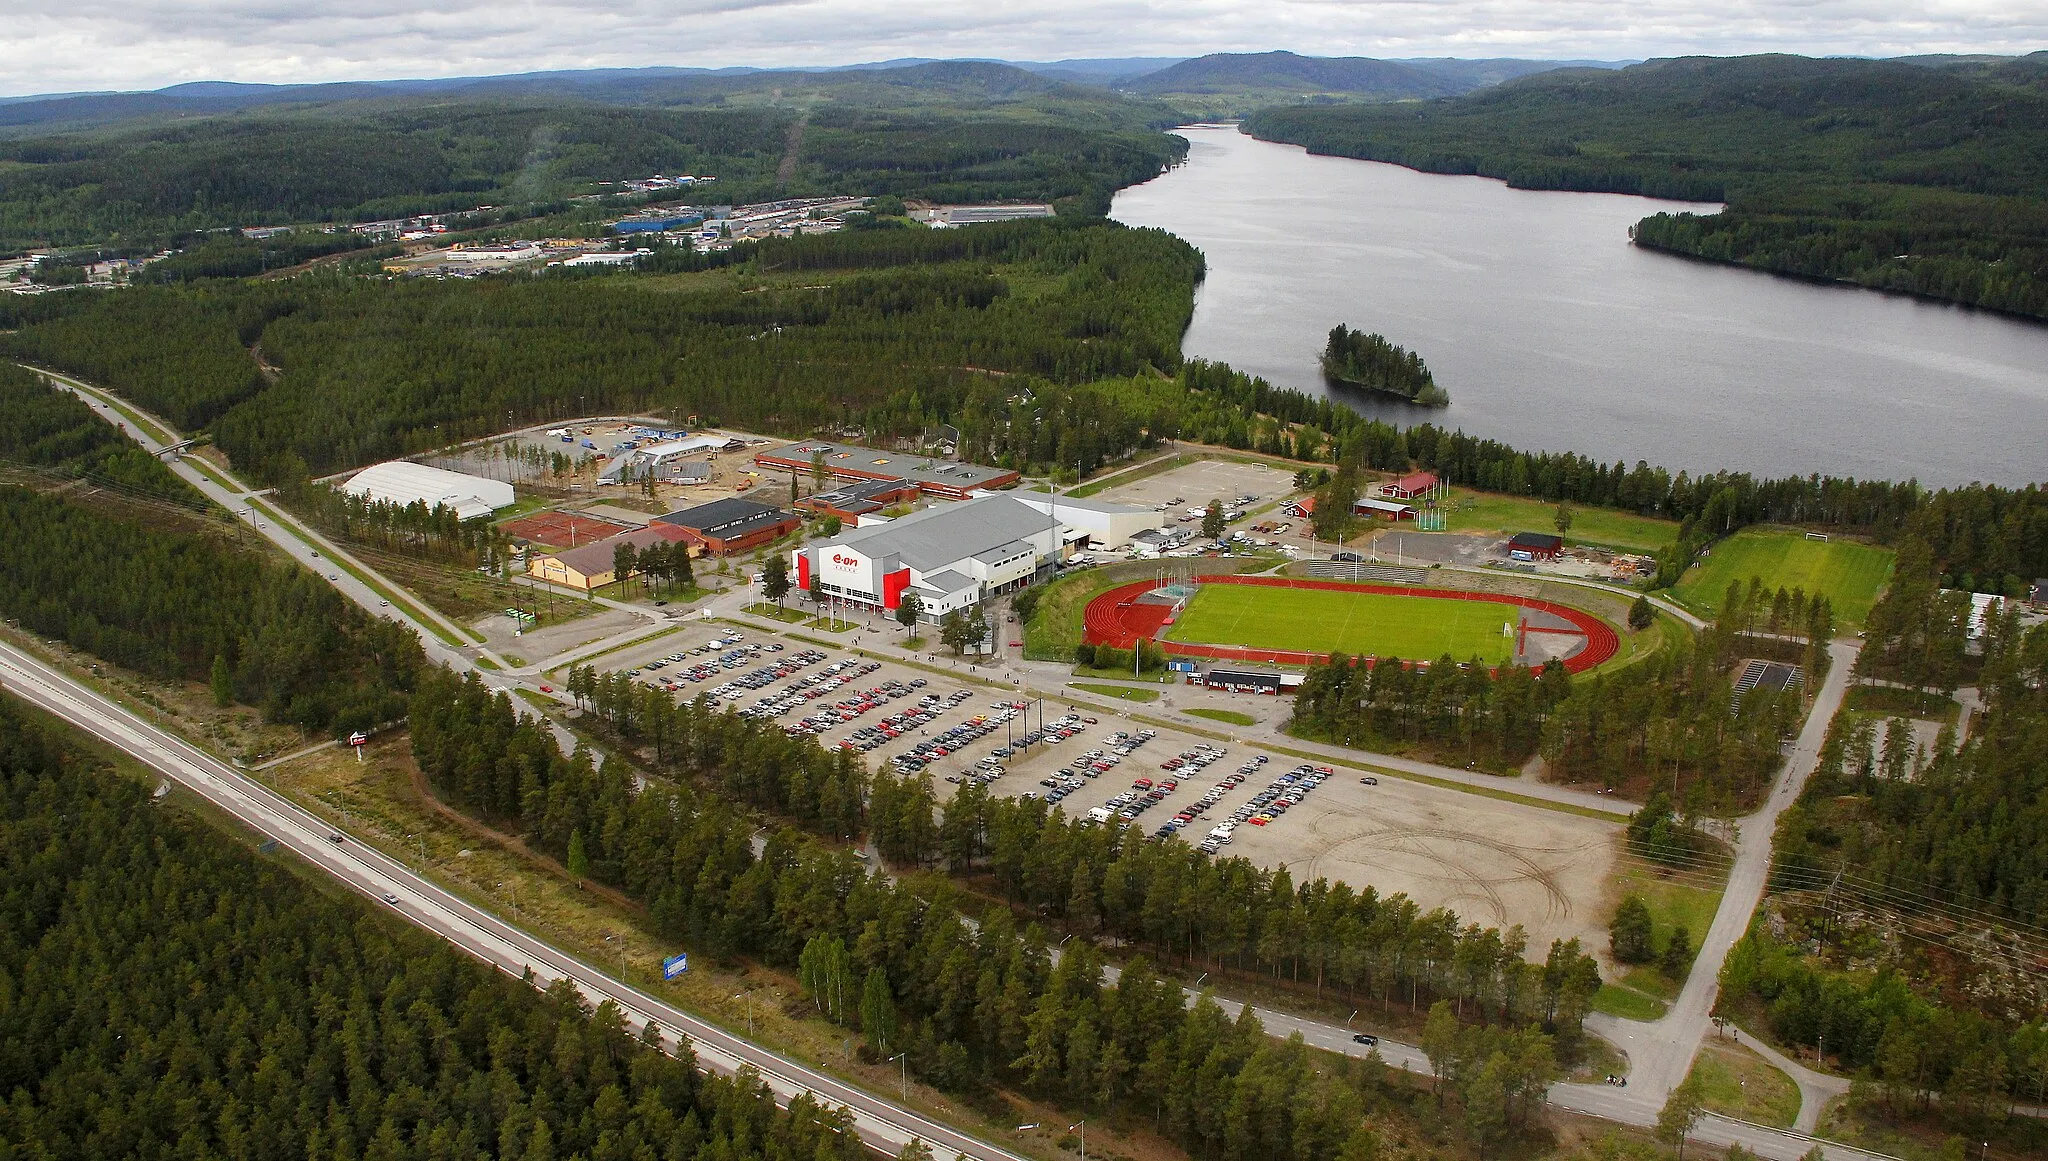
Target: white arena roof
[(402, 482)]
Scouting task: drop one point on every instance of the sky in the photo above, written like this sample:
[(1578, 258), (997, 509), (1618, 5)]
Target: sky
[(89, 45)]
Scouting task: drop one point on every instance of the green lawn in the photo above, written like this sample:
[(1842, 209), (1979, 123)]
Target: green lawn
[(1850, 574), (1327, 620), (1227, 717), (1742, 1084), (1115, 691), (1606, 527)]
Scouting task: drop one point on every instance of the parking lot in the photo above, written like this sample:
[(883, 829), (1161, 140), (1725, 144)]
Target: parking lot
[(1493, 862), (1194, 485)]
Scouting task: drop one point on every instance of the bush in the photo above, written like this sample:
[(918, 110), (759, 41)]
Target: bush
[(1084, 654)]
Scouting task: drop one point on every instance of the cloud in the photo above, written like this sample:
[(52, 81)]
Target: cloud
[(67, 45)]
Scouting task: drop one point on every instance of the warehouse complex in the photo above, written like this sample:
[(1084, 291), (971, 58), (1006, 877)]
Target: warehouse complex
[(945, 479), (1107, 525), (402, 482)]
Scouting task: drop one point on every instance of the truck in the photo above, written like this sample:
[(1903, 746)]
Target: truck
[(1098, 814), (1221, 833)]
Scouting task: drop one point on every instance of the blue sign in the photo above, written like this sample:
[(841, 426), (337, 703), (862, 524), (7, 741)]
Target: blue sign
[(675, 965)]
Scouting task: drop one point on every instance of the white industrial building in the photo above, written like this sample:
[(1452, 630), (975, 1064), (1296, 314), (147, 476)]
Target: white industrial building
[(951, 556), (403, 482), (656, 459), (1107, 525)]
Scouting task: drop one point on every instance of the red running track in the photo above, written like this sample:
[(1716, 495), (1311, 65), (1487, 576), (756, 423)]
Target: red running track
[(1116, 619)]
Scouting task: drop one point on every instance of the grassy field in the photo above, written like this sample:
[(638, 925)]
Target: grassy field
[(1740, 1083), (1606, 527), (1325, 620), (1227, 717), (1115, 691), (1850, 574)]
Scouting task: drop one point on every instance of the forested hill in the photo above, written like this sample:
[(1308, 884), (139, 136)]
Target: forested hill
[(947, 132), (1362, 76), (1931, 179)]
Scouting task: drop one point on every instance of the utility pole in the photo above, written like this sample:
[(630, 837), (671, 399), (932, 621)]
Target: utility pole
[(904, 1057)]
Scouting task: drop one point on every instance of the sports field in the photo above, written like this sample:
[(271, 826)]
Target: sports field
[(1850, 574), (1332, 621)]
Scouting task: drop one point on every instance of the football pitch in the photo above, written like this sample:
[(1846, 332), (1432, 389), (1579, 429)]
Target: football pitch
[(1333, 621), (1850, 574)]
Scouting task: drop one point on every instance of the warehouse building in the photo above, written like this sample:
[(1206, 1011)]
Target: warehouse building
[(590, 567), (1535, 546), (403, 482), (1107, 525), (862, 498), (658, 460), (951, 556), (724, 527), (946, 479)]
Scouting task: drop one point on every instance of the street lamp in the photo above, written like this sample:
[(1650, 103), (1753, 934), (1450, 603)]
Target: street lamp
[(749, 998), (1081, 1128), (904, 1056)]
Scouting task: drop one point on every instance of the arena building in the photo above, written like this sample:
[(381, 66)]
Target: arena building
[(402, 482), (951, 556)]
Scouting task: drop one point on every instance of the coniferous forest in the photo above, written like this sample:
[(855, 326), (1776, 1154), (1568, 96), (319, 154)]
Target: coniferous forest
[(165, 992), (187, 604), (1356, 359), (1924, 177)]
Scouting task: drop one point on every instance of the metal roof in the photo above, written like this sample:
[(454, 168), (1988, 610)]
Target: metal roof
[(404, 482), (938, 537)]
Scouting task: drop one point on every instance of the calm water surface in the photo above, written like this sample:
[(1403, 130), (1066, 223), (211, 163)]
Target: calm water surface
[(1551, 331)]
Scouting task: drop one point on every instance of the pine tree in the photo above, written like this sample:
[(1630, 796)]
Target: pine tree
[(223, 682)]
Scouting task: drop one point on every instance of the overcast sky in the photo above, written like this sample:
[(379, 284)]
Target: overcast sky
[(71, 45)]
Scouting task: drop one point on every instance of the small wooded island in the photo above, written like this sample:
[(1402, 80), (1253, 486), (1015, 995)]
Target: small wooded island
[(1356, 359)]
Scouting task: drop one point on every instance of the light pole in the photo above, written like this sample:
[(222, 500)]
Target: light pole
[(1081, 1128), (749, 998), (904, 1057)]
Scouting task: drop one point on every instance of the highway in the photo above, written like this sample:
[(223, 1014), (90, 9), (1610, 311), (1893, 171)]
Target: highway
[(881, 1124)]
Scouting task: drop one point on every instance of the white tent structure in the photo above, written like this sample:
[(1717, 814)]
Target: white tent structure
[(402, 482)]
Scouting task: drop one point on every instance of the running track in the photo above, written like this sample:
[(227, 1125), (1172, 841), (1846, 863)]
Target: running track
[(1116, 619)]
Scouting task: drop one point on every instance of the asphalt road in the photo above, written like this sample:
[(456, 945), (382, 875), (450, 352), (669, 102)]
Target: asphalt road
[(882, 1124)]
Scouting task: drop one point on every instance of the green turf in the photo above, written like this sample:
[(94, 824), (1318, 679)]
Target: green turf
[(1850, 574), (1227, 717), (1332, 621), (1492, 512)]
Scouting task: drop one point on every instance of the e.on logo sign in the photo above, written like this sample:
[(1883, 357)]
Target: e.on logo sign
[(841, 562)]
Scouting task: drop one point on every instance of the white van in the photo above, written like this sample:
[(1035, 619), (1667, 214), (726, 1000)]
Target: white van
[(1098, 814), (1222, 833)]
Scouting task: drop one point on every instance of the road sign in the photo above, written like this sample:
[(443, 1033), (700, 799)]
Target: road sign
[(358, 738), (675, 965)]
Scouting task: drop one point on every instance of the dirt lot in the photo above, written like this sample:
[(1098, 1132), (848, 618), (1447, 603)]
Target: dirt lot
[(1493, 862), (1198, 483)]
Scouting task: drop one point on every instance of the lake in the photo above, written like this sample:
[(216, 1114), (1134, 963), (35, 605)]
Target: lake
[(1551, 331)]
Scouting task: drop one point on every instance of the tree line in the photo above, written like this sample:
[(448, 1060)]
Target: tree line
[(1461, 713), (43, 427), (169, 992), (180, 604), (1920, 177), (976, 1004)]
